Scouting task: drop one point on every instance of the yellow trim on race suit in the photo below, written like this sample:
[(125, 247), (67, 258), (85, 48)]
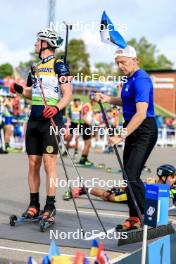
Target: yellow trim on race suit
[(50, 84), (75, 113)]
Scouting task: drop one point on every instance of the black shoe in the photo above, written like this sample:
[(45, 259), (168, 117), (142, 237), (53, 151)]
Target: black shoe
[(67, 196), (64, 154), (75, 154), (32, 211), (86, 162), (49, 213), (3, 151), (146, 169)]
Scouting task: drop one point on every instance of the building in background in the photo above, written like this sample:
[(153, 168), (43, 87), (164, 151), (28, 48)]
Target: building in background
[(165, 89)]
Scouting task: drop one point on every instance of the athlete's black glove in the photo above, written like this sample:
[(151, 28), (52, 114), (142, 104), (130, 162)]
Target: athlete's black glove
[(16, 88), (30, 80), (31, 76)]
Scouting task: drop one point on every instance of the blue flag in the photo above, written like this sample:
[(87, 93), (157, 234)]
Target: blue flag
[(31, 261), (109, 35), (46, 260), (53, 250)]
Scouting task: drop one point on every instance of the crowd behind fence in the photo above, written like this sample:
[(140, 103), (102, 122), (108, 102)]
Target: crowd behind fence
[(166, 138), (14, 113)]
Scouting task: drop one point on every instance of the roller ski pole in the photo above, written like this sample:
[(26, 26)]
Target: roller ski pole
[(121, 166), (43, 224), (60, 137)]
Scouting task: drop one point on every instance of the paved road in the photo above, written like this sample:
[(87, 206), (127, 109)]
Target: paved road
[(14, 196)]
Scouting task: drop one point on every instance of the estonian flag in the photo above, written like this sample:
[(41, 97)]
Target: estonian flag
[(109, 35)]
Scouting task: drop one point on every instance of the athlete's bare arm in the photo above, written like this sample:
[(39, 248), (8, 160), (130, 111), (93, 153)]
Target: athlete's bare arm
[(103, 194), (66, 89), (115, 101), (108, 99), (27, 92), (138, 118)]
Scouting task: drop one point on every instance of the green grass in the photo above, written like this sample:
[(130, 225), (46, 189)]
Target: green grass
[(85, 99), (162, 112)]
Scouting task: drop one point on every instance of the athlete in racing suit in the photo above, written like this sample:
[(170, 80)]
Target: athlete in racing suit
[(53, 76)]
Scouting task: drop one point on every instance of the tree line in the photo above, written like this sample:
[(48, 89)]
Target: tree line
[(79, 60)]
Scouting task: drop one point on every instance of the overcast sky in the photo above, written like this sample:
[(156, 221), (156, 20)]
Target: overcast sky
[(20, 20)]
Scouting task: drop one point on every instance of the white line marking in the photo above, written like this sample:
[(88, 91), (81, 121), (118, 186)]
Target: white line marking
[(31, 251), (85, 212), (24, 250)]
